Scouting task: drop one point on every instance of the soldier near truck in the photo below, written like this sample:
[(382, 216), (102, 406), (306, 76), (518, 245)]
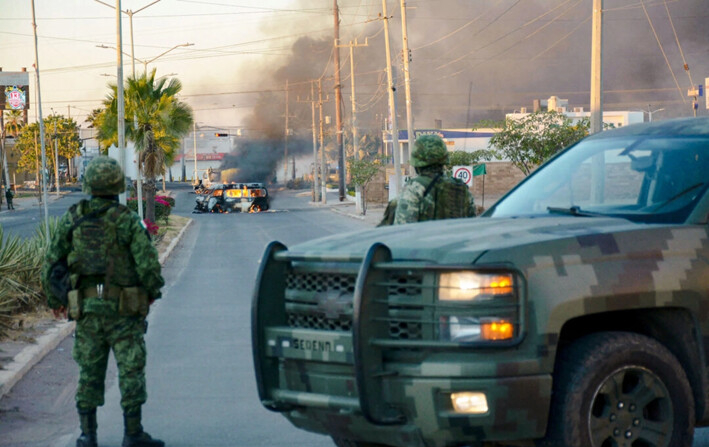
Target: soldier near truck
[(574, 312), (114, 278), (431, 195)]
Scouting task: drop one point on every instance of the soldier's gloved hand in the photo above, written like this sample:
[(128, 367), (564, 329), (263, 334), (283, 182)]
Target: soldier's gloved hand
[(59, 313)]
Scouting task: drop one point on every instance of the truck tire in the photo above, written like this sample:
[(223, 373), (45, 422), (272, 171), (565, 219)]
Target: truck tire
[(342, 442), (620, 389)]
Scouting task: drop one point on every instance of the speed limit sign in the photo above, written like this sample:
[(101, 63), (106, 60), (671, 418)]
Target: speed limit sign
[(464, 173)]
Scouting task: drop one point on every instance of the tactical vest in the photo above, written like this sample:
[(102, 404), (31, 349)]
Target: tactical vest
[(97, 249), (448, 195)]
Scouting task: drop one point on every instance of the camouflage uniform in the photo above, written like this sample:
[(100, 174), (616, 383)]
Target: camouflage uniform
[(133, 262), (431, 195)]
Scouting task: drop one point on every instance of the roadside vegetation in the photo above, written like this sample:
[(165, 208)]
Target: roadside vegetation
[(156, 121), (20, 266), (22, 300)]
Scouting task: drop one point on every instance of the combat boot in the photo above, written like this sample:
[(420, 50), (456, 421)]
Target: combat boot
[(87, 421), (134, 434)]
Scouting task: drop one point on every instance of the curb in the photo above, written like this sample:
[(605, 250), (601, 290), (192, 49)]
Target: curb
[(353, 216), (173, 243), (23, 362), (32, 354)]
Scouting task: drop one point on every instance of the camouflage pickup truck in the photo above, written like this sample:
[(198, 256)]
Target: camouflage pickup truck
[(574, 312)]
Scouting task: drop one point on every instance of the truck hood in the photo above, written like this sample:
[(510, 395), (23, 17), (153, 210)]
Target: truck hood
[(461, 241)]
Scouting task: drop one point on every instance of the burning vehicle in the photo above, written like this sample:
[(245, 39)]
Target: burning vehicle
[(234, 197)]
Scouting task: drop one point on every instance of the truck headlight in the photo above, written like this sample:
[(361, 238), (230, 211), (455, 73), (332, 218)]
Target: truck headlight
[(477, 306), (461, 329), (467, 286)]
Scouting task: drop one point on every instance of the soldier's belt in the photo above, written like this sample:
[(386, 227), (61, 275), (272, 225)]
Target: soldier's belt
[(101, 292), (132, 301)]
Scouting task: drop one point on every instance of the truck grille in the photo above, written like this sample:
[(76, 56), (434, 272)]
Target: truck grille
[(305, 291)]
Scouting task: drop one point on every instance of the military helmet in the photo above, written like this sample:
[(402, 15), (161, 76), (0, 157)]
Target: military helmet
[(429, 150), (103, 177)]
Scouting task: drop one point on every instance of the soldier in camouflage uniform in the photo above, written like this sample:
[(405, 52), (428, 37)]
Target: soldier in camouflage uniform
[(115, 276), (432, 194)]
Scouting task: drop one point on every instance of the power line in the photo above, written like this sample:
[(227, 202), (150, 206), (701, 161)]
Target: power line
[(657, 38), (684, 61)]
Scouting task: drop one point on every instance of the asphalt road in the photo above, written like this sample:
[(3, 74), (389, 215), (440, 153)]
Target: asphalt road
[(200, 375), (27, 215)]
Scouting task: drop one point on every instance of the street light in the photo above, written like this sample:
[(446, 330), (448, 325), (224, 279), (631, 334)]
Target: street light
[(139, 180), (649, 112), (56, 152), (130, 13), (145, 63)]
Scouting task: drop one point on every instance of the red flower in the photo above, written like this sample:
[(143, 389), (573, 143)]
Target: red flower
[(151, 227)]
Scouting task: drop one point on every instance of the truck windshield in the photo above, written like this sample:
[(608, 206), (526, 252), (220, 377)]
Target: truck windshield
[(643, 179)]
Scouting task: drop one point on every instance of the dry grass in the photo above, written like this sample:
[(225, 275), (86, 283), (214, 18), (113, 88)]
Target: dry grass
[(23, 326), (171, 230)]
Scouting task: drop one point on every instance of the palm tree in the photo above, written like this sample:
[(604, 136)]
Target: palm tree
[(155, 121), (13, 122)]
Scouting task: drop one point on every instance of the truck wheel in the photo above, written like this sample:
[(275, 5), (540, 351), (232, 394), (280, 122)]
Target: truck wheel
[(620, 389), (341, 442)]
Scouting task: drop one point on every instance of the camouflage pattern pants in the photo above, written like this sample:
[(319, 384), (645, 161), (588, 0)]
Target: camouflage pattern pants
[(96, 336)]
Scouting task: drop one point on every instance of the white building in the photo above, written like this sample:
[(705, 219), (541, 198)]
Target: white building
[(614, 118)]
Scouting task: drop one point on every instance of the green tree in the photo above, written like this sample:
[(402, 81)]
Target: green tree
[(59, 132), (362, 172), (155, 121), (462, 158), (531, 140), (14, 122), (95, 120)]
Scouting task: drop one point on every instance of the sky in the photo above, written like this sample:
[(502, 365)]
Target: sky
[(471, 59)]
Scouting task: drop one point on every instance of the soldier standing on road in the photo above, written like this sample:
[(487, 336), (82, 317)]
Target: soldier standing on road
[(431, 194), (9, 194), (115, 277)]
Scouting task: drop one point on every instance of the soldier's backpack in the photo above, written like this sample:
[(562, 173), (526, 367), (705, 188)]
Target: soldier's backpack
[(59, 274), (94, 237), (389, 214), (449, 196)]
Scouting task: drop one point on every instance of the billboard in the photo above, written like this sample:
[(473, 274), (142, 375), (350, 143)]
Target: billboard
[(14, 90)]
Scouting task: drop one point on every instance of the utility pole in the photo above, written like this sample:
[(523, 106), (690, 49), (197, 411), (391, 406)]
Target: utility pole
[(338, 106), (285, 158), (194, 151), (323, 161), (120, 98), (355, 148), (316, 173), (41, 128), (56, 155), (597, 68), (316, 183), (392, 106), (406, 56)]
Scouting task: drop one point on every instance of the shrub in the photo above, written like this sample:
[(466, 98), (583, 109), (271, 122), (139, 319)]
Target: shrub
[(163, 207), (299, 183), (20, 265), (152, 227), (168, 199)]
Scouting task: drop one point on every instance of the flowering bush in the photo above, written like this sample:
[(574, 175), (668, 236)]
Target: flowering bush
[(170, 200), (151, 227), (163, 206)]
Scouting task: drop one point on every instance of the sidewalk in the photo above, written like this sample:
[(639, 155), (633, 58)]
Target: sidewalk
[(17, 357), (29, 202), (347, 208)]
